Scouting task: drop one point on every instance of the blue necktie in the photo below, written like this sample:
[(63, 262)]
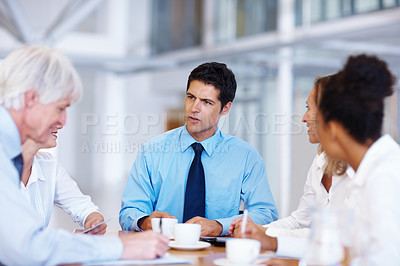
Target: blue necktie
[(18, 163), (195, 195)]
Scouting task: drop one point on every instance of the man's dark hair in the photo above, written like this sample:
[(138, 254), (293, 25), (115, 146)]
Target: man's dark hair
[(218, 75)]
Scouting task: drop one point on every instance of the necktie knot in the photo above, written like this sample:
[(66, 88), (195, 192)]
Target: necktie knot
[(198, 148)]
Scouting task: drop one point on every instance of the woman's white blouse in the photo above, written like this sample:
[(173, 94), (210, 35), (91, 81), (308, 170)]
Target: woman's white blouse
[(292, 232), (315, 195), (375, 197), (49, 184)]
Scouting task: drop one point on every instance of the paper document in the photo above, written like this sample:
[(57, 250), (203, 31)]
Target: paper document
[(167, 259), (97, 225)]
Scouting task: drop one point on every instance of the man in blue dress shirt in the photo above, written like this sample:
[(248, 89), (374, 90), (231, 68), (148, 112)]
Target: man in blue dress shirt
[(37, 84), (233, 170)]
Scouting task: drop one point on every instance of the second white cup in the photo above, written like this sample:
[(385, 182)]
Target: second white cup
[(167, 225), (187, 234), (242, 251)]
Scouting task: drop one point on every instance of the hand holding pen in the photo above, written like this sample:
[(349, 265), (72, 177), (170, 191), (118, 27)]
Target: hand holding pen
[(98, 226), (239, 226)]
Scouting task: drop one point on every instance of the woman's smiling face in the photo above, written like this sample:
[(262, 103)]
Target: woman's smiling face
[(310, 117)]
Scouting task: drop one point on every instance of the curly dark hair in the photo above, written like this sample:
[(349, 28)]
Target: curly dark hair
[(354, 97), (218, 75)]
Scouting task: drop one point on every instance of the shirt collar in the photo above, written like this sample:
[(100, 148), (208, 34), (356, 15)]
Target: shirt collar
[(37, 171), (321, 160), (209, 144), (9, 133), (378, 150), (350, 172)]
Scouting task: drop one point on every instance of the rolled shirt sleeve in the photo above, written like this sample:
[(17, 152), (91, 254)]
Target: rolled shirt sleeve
[(69, 197)]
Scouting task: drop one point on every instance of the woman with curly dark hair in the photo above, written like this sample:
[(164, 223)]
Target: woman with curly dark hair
[(327, 180), (349, 124)]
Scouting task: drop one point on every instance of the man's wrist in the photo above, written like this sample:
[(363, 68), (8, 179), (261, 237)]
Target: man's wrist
[(220, 228)]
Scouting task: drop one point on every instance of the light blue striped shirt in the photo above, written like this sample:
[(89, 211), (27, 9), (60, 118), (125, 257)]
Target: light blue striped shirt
[(23, 239), (234, 171)]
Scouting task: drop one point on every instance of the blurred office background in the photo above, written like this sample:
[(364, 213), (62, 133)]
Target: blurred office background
[(134, 57)]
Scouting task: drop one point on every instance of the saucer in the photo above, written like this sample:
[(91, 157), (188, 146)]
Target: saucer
[(198, 245), (226, 262)]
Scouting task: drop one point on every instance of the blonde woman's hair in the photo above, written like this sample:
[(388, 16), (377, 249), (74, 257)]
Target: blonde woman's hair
[(42, 69), (332, 166)]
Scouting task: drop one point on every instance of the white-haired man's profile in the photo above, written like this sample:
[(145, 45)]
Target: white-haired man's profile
[(37, 85)]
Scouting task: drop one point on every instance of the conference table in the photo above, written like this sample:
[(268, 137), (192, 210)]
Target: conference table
[(201, 257), (205, 256)]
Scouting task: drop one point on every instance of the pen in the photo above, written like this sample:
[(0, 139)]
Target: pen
[(244, 221), (97, 225), (160, 225), (245, 214)]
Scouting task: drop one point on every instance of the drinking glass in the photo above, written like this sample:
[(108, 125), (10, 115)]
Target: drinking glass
[(330, 238)]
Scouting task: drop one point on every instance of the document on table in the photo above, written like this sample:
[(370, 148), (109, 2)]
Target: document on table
[(97, 225), (167, 259)]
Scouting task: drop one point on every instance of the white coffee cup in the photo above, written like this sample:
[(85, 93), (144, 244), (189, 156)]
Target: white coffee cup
[(187, 234), (242, 251), (167, 225)]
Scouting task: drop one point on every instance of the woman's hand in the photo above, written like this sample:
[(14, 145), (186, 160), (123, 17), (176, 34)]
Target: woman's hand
[(256, 231), (92, 220)]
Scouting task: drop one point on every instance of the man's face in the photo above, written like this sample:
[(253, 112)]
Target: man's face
[(203, 110), (42, 119)]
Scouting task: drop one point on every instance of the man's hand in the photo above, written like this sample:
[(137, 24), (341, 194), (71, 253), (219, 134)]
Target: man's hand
[(146, 224), (256, 231), (144, 245), (208, 227), (92, 220)]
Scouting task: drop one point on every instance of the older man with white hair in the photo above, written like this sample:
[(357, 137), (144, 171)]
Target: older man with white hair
[(37, 84)]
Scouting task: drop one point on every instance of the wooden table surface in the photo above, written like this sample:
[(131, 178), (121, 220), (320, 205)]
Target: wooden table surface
[(204, 256), (200, 257)]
